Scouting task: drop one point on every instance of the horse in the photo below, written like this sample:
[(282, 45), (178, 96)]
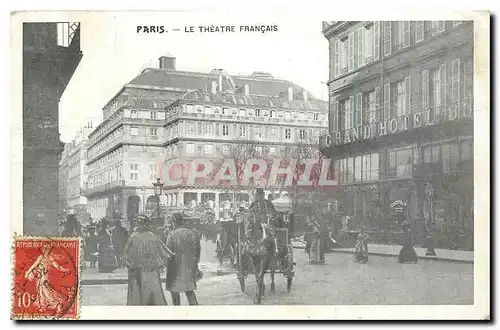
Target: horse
[(259, 248)]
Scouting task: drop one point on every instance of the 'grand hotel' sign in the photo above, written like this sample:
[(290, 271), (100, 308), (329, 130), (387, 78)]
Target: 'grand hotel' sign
[(391, 126)]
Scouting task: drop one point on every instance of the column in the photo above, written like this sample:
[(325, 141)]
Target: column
[(180, 198), (216, 206), (174, 199), (198, 198), (169, 199)]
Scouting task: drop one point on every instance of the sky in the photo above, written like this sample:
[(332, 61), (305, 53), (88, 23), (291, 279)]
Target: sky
[(114, 53)]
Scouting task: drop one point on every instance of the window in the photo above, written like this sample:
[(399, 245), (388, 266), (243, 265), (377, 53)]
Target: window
[(273, 133), (153, 114), (347, 170), (225, 130), (288, 133), (287, 115), (272, 151), (243, 112), (225, 111), (419, 31), (243, 131), (357, 168), (376, 40), (371, 106), (403, 90), (302, 134), (272, 114), (225, 150), (208, 149), (133, 113), (466, 149), (358, 109), (437, 26), (209, 129), (134, 131), (153, 131), (455, 88), (400, 163), (348, 110), (190, 129), (190, 148), (199, 109), (152, 172), (134, 172), (258, 132), (440, 87), (425, 89), (403, 35), (387, 38), (351, 42), (360, 41), (368, 37), (257, 113), (208, 111), (450, 157), (316, 116), (387, 101), (431, 154), (336, 57), (344, 54)]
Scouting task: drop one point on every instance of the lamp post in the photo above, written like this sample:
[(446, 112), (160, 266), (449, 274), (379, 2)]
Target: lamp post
[(429, 194), (158, 187)]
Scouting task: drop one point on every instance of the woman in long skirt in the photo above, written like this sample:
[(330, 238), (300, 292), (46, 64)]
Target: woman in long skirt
[(361, 250), (407, 253)]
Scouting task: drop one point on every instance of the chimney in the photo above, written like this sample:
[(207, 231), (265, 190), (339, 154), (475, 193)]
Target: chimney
[(167, 62), (247, 90), (214, 87), (304, 94), (290, 93)]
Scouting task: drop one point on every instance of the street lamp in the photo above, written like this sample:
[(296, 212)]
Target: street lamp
[(429, 194), (158, 187)]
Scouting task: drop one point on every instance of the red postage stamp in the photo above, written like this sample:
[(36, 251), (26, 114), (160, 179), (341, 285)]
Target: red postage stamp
[(46, 278)]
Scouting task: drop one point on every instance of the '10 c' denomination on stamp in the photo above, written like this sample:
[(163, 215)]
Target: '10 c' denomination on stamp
[(46, 278)]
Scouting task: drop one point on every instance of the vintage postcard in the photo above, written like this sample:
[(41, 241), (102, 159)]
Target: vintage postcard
[(204, 164)]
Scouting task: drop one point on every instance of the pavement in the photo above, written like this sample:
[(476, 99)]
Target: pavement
[(340, 281), (381, 250), (209, 265)]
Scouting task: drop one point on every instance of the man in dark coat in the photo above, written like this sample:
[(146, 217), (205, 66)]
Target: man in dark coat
[(106, 259), (119, 237), (146, 256), (182, 270), (72, 227)]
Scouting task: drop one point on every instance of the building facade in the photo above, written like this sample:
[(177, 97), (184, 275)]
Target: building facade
[(165, 114), (72, 175), (401, 123), (51, 54)]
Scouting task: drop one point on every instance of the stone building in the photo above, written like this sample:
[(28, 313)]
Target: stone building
[(401, 123), (51, 54), (164, 113)]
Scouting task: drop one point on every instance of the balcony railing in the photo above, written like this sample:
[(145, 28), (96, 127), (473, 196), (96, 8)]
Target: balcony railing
[(103, 187)]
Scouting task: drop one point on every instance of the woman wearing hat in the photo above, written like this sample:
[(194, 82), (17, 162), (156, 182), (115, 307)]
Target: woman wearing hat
[(146, 256)]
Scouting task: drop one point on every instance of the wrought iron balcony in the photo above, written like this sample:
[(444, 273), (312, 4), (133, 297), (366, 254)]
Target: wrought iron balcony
[(103, 187)]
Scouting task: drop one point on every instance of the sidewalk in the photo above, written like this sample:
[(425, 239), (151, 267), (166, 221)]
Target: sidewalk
[(466, 257), (91, 276)]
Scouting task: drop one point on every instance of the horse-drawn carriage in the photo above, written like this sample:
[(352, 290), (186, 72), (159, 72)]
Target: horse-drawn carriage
[(264, 244), (227, 240)]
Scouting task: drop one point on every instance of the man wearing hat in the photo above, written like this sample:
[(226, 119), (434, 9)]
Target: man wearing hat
[(182, 270), (106, 259), (145, 255)]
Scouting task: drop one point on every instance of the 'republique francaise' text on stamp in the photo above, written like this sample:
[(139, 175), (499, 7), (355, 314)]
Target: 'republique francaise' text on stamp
[(45, 278)]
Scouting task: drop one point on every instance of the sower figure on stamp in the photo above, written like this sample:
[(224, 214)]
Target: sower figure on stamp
[(47, 297), (182, 270), (146, 256), (119, 237)]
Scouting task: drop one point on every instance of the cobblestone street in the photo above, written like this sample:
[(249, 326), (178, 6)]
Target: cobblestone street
[(340, 281)]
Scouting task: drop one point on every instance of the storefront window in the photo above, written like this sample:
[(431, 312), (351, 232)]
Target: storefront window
[(450, 157), (357, 169), (400, 163)]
